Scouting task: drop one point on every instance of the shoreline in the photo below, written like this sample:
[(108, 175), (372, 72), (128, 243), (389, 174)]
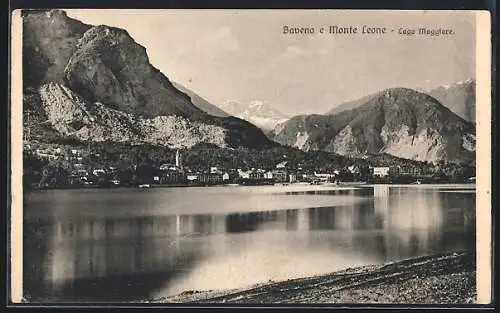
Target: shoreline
[(448, 278), (290, 185)]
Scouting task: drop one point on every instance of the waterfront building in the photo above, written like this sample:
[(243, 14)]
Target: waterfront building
[(243, 174), (210, 178), (323, 176), (409, 170), (256, 175), (382, 171), (280, 175), (173, 177)]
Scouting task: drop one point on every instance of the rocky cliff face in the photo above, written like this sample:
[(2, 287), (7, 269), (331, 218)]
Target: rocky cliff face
[(96, 83), (460, 98), (72, 116), (399, 121), (109, 67)]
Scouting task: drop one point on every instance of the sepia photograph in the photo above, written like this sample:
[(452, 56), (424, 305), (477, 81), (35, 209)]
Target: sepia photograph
[(256, 157)]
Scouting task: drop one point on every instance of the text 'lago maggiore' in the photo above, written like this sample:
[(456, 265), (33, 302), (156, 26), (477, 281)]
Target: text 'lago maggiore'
[(367, 30)]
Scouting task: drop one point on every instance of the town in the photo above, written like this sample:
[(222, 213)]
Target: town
[(80, 174)]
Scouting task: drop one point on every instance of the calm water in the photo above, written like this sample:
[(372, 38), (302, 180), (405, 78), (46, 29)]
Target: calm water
[(127, 244)]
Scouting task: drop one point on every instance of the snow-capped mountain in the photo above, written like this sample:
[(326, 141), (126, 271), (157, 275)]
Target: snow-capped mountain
[(259, 113)]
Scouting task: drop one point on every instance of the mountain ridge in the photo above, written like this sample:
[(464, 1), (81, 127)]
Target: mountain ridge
[(459, 97), (200, 102), (398, 121)]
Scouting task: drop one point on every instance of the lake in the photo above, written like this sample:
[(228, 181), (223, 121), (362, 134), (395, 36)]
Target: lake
[(131, 244)]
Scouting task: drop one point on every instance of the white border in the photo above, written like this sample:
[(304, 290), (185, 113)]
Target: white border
[(483, 155)]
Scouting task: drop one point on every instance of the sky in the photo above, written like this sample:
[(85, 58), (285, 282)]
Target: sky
[(243, 55)]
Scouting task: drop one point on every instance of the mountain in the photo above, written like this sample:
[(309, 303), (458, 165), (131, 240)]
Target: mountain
[(200, 102), (96, 83), (398, 121), (256, 112), (349, 105), (459, 98)]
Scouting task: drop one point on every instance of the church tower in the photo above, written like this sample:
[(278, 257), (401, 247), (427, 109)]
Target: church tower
[(178, 159)]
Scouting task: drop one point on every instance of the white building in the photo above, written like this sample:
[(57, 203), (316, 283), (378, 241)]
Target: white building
[(166, 166), (323, 175), (381, 171), (353, 169), (98, 171), (244, 174)]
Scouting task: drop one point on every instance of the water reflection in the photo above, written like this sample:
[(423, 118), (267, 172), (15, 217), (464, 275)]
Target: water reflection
[(131, 257)]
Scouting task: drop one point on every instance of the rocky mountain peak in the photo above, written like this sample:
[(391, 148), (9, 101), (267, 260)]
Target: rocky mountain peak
[(49, 40), (76, 70), (397, 121), (110, 67)]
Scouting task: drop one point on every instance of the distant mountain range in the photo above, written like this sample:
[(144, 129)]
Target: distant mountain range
[(259, 113), (96, 83), (459, 98), (399, 121)]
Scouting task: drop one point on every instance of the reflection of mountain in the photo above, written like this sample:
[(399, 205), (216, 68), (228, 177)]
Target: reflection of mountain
[(117, 258), (243, 222), (416, 222), (73, 255)]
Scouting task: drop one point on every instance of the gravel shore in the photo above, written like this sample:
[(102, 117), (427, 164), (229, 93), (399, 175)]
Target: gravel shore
[(439, 279)]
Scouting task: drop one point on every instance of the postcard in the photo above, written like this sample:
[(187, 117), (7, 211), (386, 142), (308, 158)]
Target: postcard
[(262, 157)]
